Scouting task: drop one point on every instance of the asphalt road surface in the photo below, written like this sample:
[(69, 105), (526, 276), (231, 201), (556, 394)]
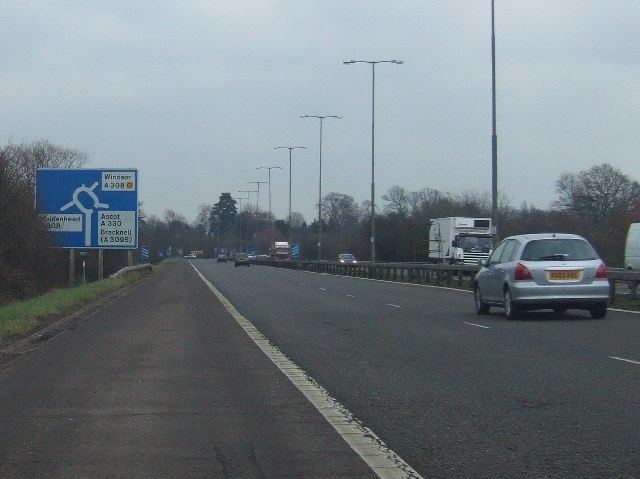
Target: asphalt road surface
[(453, 393), (164, 383), (161, 383)]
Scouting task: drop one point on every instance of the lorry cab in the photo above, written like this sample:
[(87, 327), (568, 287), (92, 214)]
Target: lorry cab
[(632, 248), (460, 240)]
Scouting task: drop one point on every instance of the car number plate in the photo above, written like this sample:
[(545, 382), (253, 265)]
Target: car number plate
[(564, 275)]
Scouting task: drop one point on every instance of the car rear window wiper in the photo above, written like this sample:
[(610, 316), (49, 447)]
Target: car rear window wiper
[(554, 257)]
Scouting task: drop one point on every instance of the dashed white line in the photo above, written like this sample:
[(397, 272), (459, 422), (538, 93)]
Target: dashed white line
[(303, 284), (477, 325), (393, 305), (625, 360), (351, 296), (384, 462), (322, 289)]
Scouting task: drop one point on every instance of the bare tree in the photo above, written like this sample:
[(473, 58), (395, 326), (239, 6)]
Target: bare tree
[(339, 209), (24, 159), (202, 218), (598, 193), (398, 200), (297, 220)]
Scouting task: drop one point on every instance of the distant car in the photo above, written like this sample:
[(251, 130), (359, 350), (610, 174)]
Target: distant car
[(542, 271), (242, 259), (347, 258), (221, 258)]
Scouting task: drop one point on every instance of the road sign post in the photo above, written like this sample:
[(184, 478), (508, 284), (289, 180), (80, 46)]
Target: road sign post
[(100, 263), (72, 267)]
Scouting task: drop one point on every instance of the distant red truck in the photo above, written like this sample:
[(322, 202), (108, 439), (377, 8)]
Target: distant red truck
[(280, 250)]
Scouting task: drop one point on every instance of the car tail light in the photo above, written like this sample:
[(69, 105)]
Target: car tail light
[(522, 273), (602, 272)]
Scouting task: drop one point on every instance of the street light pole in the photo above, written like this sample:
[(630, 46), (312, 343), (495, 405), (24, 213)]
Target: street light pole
[(258, 183), (373, 64), (321, 118), (269, 168), (494, 135), (235, 221), (290, 148)]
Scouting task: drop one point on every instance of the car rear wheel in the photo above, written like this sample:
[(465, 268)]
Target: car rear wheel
[(599, 311), (481, 306), (511, 311)]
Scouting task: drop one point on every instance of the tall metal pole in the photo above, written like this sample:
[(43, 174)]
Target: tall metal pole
[(494, 135), (258, 183), (290, 148), (269, 168), (320, 199), (373, 171), (373, 124), (321, 118), (290, 195)]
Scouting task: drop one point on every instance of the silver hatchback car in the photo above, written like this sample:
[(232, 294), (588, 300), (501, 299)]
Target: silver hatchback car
[(542, 271)]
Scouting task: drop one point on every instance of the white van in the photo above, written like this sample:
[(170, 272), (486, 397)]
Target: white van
[(632, 249)]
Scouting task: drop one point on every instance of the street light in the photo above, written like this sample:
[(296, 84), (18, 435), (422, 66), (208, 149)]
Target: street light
[(373, 64), (269, 168), (321, 118), (258, 183), (248, 196), (235, 221), (494, 135), (290, 148)]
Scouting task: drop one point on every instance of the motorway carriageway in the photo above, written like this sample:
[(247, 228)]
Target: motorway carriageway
[(172, 380), (453, 393)]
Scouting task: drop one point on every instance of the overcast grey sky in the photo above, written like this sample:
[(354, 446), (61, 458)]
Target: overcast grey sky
[(195, 94)]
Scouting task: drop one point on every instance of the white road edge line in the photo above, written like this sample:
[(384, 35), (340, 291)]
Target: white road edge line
[(625, 360), (384, 462), (624, 310), (477, 325), (393, 305)]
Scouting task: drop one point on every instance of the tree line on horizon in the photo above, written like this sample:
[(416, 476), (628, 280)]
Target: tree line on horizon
[(598, 203)]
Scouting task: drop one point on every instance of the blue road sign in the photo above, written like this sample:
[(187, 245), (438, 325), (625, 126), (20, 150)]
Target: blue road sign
[(84, 208), (295, 251), (144, 252), (179, 252), (251, 250), (160, 253)]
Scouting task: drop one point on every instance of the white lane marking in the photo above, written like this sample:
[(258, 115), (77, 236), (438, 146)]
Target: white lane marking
[(373, 279), (384, 462), (322, 289), (303, 284), (477, 325), (351, 296), (393, 305), (625, 360)]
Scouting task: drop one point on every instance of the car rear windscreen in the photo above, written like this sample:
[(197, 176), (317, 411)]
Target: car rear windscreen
[(558, 250)]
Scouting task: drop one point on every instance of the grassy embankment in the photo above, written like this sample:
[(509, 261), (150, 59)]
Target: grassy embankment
[(625, 302), (20, 318)]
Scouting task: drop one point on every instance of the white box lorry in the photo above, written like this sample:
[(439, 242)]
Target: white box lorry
[(457, 240), (632, 247)]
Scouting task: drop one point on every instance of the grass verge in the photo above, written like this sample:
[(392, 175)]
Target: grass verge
[(625, 302), (21, 318)]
